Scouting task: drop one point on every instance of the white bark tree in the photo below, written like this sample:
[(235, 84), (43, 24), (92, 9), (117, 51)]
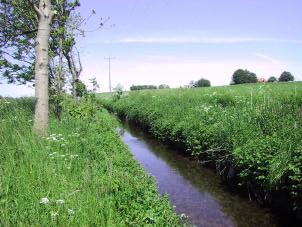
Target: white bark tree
[(45, 15)]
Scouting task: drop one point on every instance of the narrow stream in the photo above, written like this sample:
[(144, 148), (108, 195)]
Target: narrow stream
[(193, 190)]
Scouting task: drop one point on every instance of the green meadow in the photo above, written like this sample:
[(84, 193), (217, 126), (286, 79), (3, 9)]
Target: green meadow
[(80, 175)]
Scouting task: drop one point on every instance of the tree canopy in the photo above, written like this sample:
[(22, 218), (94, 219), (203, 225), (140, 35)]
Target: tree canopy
[(19, 21), (35, 33), (286, 77), (202, 83), (272, 79), (241, 76)]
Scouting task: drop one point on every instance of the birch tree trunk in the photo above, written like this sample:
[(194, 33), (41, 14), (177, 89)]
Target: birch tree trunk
[(45, 15)]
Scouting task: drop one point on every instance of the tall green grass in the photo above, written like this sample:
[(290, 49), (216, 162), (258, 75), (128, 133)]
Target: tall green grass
[(255, 129), (81, 175)]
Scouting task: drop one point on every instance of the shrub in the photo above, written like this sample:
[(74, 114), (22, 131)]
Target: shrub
[(81, 88), (118, 91), (272, 79)]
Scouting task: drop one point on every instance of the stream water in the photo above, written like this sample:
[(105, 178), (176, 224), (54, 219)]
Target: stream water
[(193, 190)]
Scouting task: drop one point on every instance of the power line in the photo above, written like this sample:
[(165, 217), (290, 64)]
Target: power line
[(109, 64)]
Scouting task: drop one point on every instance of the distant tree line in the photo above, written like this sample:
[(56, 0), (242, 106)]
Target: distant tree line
[(163, 86), (241, 76), (148, 87)]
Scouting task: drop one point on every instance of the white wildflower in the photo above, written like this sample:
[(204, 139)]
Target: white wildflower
[(206, 108), (53, 215), (183, 215), (71, 212), (75, 134), (74, 156), (60, 201), (44, 201)]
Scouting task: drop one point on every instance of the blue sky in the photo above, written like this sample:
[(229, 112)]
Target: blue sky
[(174, 41)]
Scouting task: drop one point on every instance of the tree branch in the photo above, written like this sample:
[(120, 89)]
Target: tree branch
[(38, 11), (21, 60)]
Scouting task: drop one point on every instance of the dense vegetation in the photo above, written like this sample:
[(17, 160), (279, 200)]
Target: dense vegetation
[(202, 83), (163, 86), (80, 175), (251, 132), (241, 76), (272, 79), (286, 77)]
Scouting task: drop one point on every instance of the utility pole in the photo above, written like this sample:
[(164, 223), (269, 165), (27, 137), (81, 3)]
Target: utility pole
[(109, 61)]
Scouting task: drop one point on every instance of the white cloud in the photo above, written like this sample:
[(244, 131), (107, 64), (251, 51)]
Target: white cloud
[(267, 58), (199, 40)]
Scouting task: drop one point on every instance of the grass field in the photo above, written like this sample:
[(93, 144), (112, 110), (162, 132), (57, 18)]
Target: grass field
[(252, 132), (80, 175)]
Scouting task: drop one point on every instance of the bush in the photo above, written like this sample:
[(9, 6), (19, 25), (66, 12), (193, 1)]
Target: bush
[(272, 79), (81, 89), (118, 92), (85, 108)]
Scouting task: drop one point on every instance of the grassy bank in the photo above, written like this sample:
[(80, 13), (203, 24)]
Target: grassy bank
[(252, 133), (81, 175)]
